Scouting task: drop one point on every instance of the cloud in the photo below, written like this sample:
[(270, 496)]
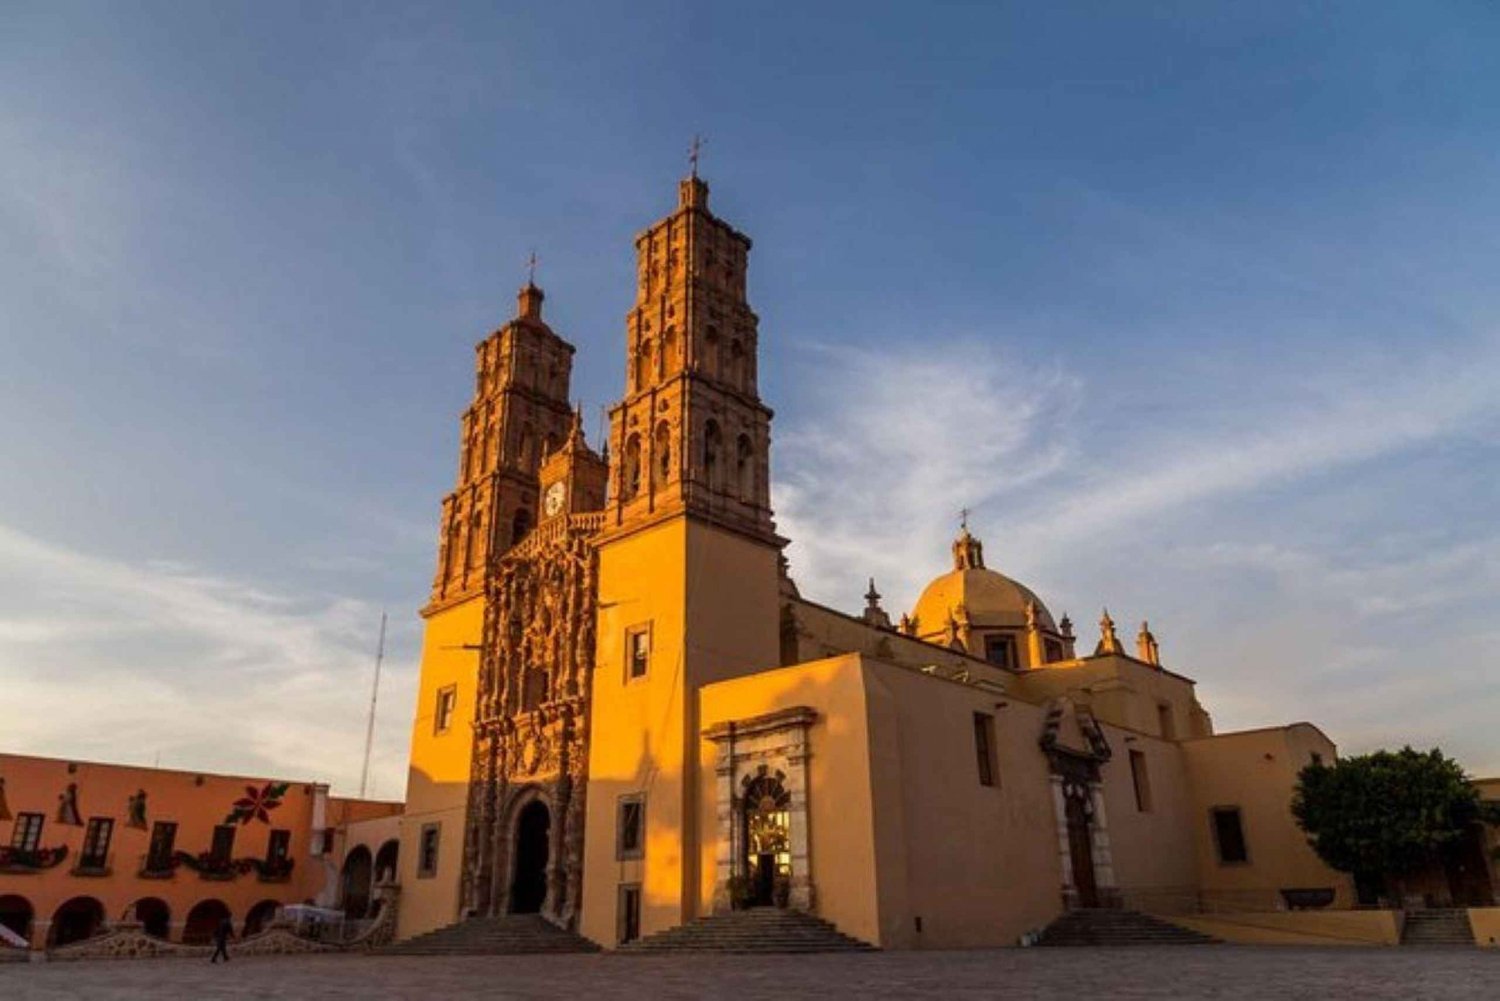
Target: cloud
[(127, 661)]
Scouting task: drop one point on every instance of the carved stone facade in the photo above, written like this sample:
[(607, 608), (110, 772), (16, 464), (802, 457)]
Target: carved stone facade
[(531, 724)]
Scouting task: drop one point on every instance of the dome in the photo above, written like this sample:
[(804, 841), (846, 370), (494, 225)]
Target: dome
[(991, 599)]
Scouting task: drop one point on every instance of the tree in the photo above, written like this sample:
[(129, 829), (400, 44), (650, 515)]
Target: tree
[(1385, 815)]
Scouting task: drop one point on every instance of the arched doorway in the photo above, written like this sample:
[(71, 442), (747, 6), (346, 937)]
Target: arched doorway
[(260, 916), (356, 882), (76, 920), (385, 861), (768, 851), (16, 914), (202, 920), (154, 915), (528, 888)]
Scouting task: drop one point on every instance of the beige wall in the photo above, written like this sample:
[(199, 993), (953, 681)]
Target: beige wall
[(1153, 849), (437, 785), (1122, 691), (1256, 770), (712, 602)]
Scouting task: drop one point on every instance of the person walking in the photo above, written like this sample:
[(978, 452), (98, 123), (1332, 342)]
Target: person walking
[(221, 939)]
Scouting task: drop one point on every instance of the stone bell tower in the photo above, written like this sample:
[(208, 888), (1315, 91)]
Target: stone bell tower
[(691, 432), (689, 589)]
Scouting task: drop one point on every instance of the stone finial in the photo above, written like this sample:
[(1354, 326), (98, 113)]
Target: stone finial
[(874, 614), (1147, 649), (908, 626), (1108, 641), (1066, 627)]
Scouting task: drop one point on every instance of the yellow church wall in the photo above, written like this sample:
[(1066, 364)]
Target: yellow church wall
[(826, 632), (1152, 848), (437, 785), (977, 864), (841, 826), (1256, 771), (710, 600), (1485, 923), (1122, 691), (1351, 928)]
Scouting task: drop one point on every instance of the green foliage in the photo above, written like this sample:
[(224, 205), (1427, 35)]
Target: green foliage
[(1384, 814)]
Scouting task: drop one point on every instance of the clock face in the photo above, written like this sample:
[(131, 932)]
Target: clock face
[(553, 501)]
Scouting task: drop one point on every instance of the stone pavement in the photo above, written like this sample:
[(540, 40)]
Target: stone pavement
[(1217, 972)]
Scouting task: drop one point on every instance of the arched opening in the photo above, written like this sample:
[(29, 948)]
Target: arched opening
[(475, 550), (76, 920), (667, 357), (385, 862), (528, 888), (154, 915), (203, 920), (642, 365), (534, 689), (260, 916), (768, 843), (631, 472), (16, 914), (520, 525), (736, 372), (661, 453), (354, 883), (712, 362), (713, 452), (744, 461)]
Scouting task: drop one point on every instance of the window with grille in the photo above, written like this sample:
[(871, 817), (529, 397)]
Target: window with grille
[(632, 827), (223, 845), (26, 836), (96, 839), (163, 839), (984, 748)]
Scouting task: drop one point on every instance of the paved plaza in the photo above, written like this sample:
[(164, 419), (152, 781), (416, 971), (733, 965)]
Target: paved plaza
[(1218, 972)]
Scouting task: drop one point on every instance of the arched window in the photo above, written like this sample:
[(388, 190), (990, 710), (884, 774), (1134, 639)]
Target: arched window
[(520, 525), (668, 355), (630, 472), (385, 861), (736, 373), (713, 455), (661, 454), (642, 364), (712, 363), (476, 539), (528, 447), (355, 881), (259, 917), (154, 915), (744, 464), (16, 914), (76, 920)]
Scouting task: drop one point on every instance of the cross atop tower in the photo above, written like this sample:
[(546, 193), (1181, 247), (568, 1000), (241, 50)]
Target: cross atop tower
[(963, 518), (531, 269), (693, 152)]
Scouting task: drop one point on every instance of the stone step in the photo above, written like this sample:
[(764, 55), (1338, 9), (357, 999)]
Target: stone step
[(1090, 927), (1446, 926), (760, 930), (512, 934)]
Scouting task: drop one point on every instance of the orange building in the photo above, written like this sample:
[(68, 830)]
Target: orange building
[(85, 845)]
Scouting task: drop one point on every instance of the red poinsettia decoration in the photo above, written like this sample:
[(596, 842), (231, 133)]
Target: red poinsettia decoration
[(257, 804)]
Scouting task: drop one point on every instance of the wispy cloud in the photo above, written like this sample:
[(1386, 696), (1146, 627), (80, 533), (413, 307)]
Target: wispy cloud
[(130, 661)]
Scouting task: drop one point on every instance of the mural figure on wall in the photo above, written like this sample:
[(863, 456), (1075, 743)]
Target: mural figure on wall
[(135, 811), (67, 807)]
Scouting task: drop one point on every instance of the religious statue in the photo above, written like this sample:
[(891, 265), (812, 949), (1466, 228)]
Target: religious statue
[(4, 810), (135, 810), (67, 806)]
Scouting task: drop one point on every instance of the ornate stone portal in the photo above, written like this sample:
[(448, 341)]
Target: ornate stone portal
[(762, 809), (1075, 746), (531, 726)]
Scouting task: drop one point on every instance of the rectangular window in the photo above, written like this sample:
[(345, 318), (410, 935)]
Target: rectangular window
[(1053, 650), (278, 847), (427, 850), (1165, 721), (984, 748), (447, 701), (631, 842), (223, 845), (1229, 835), (630, 912), (327, 841), (163, 840), (26, 836), (1142, 781), (96, 843), (1000, 650), (637, 651)]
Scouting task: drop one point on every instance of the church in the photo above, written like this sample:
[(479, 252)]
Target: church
[(629, 719)]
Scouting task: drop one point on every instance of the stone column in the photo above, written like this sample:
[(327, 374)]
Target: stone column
[(1104, 866), (727, 847), (1064, 852), (796, 786)]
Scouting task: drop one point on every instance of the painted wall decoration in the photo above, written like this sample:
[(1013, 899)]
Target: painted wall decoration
[(257, 804), (135, 811), (67, 806)]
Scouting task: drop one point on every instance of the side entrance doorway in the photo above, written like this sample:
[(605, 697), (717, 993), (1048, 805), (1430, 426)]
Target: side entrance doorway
[(528, 888)]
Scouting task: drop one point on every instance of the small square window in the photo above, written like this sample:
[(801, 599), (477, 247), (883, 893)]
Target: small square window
[(984, 748), (427, 850), (1000, 650), (631, 841), (26, 835), (1229, 835), (447, 701), (637, 651)]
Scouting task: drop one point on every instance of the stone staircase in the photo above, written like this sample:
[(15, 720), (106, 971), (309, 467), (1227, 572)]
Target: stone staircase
[(1437, 926), (511, 934), (760, 929), (1098, 926)]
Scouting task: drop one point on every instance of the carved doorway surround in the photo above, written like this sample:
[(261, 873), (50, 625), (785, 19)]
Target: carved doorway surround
[(761, 793), (1076, 747)]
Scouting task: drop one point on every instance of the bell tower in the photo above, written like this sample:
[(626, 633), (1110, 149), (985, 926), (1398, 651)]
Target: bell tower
[(691, 433), (689, 585)]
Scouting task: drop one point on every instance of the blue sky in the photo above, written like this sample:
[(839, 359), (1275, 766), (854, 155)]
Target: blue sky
[(1193, 304)]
